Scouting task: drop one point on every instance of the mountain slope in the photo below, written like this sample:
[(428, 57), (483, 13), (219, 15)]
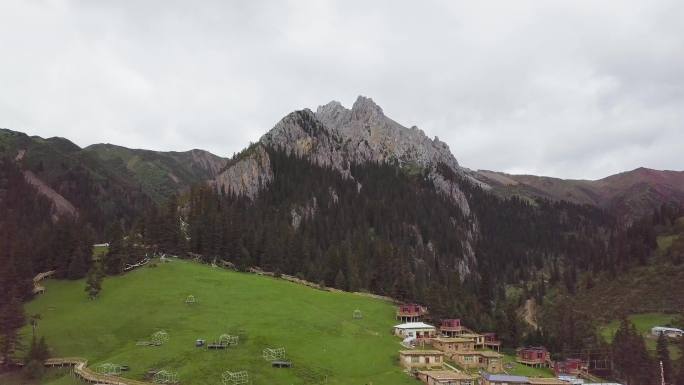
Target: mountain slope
[(104, 182), (160, 174), (629, 195)]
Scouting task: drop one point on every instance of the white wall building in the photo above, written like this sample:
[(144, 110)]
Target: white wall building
[(415, 329)]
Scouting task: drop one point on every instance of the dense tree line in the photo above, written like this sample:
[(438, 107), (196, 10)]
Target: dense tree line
[(32, 240)]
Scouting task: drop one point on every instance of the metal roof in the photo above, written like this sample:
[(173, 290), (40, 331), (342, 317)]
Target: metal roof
[(505, 378), (414, 325)]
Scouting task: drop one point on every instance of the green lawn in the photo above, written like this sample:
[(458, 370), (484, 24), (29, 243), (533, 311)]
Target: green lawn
[(514, 368), (316, 327), (644, 322)]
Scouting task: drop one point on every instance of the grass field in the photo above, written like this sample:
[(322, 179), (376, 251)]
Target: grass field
[(315, 327), (644, 323)]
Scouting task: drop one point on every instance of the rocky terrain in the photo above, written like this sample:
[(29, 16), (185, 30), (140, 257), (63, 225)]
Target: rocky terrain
[(337, 137)]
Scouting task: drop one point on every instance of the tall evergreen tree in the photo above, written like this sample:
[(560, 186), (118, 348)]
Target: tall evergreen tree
[(94, 281), (679, 379), (12, 318), (663, 356)]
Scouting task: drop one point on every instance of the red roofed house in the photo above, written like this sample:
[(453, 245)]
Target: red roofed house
[(568, 367), (411, 312), (490, 341), (536, 356), (451, 327)]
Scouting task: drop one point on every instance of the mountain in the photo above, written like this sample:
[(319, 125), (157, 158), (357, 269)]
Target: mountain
[(345, 198), (629, 195), (337, 137), (103, 182), (160, 174)]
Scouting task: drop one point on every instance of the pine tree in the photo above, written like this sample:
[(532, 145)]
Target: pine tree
[(94, 281), (12, 318), (117, 255), (663, 356), (38, 350), (679, 380), (77, 266), (340, 281)]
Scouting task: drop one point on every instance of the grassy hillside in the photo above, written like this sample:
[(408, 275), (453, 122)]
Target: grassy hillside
[(315, 327), (160, 174), (644, 322), (654, 288)]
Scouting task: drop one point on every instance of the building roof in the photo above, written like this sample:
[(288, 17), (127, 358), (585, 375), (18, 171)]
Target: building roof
[(414, 325), (483, 353), (421, 352), (452, 339), (535, 348), (471, 335), (505, 378), (446, 375), (546, 381), (666, 329)]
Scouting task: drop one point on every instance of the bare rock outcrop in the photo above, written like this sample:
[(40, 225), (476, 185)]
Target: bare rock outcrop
[(302, 134), (248, 175), (370, 136)]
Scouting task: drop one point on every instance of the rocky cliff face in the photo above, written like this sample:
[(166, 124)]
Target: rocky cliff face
[(338, 137), (370, 136), (248, 174), (301, 133)]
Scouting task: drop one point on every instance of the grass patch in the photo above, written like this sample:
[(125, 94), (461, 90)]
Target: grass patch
[(644, 323), (315, 327)]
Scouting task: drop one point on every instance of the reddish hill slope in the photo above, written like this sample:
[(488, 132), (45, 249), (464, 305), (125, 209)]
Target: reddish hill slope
[(630, 194)]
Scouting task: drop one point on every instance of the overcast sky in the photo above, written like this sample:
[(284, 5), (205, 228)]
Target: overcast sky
[(574, 89)]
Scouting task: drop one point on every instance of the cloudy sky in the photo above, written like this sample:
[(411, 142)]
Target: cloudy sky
[(575, 89)]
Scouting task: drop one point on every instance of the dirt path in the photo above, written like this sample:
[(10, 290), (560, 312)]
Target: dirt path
[(81, 370)]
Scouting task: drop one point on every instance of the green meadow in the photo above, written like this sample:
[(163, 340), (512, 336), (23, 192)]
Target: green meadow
[(316, 328), (643, 323)]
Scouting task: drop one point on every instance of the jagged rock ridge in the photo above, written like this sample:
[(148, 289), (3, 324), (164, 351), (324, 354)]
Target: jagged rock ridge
[(337, 137)]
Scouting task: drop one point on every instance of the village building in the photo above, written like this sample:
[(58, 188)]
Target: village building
[(445, 377), (478, 339), (452, 344), (667, 331), (545, 381), (536, 356), (451, 327), (504, 379), (420, 359), (491, 342), (568, 367), (482, 359), (411, 313), (417, 330)]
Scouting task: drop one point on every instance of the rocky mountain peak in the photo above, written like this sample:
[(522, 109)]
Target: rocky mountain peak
[(365, 110), (337, 137)]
